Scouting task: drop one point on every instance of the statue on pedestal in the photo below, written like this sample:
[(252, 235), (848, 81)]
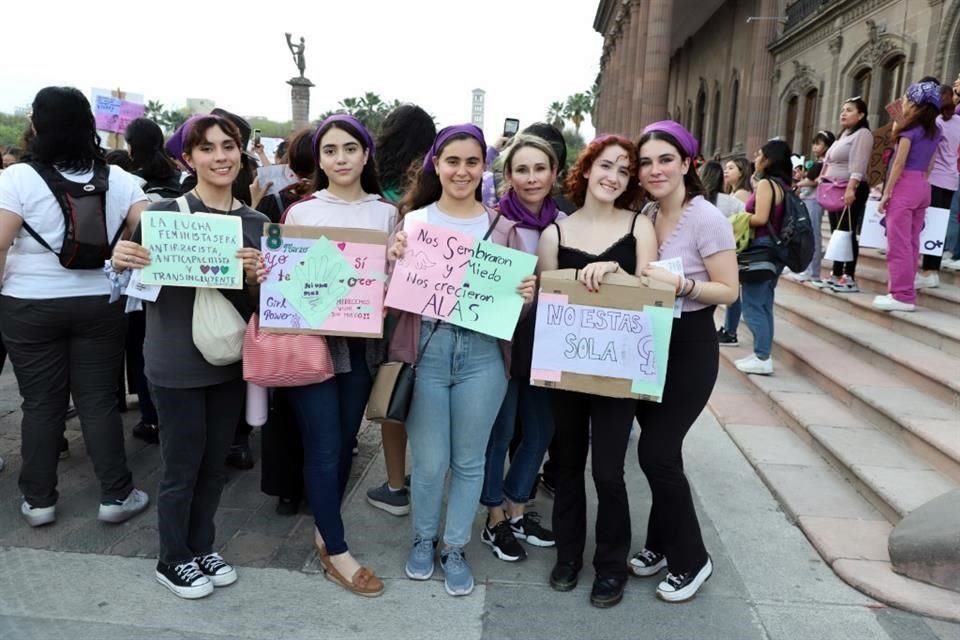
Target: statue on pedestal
[(297, 50)]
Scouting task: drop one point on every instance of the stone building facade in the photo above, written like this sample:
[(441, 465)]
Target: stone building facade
[(739, 72)]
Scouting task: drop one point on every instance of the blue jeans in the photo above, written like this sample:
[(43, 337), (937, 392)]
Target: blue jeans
[(952, 226), (532, 406), (460, 387), (329, 415), (731, 320), (757, 300)]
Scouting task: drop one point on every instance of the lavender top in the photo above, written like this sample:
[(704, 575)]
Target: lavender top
[(849, 156), (922, 148), (701, 232), (944, 174)]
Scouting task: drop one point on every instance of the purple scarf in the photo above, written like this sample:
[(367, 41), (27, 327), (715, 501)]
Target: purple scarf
[(514, 210)]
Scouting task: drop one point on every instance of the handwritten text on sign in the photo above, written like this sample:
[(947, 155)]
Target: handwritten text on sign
[(329, 286), (454, 277), (598, 341), (192, 250)]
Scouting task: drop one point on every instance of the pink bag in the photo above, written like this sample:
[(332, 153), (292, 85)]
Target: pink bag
[(284, 360), (830, 194)]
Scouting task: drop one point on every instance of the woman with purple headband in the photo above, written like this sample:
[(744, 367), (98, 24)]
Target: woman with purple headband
[(347, 194), (690, 228), (462, 374), (906, 194)]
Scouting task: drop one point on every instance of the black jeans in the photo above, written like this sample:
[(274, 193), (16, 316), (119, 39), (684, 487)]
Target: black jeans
[(135, 335), (850, 222), (198, 426), (673, 528), (281, 467), (60, 347), (940, 198), (611, 420)]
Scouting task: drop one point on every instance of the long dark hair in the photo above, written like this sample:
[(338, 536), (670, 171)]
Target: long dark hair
[(66, 135), (149, 160), (779, 166), (369, 181), (406, 135), (711, 177), (691, 181), (861, 107), (924, 117), (426, 188)]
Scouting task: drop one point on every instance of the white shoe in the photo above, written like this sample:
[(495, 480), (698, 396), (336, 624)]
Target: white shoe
[(121, 511), (755, 365), (38, 516), (680, 588), (951, 264), (889, 303), (931, 281)]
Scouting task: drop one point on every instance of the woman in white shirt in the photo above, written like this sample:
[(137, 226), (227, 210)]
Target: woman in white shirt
[(63, 336)]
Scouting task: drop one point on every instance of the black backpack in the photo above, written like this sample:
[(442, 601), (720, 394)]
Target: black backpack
[(793, 246), (84, 206)]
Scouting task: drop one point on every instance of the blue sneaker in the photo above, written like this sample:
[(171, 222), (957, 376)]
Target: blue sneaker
[(457, 576), (420, 561)]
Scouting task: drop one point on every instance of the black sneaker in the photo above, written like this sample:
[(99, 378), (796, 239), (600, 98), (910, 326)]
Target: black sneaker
[(681, 587), (564, 576), (184, 580), (726, 339), (64, 448), (647, 563), (146, 432), (528, 528), (607, 591), (503, 543), (546, 483), (240, 457), (213, 566)]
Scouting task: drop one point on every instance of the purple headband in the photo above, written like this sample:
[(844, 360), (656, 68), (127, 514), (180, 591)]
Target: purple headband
[(445, 134), (348, 119), (687, 142), (925, 93), (174, 146)]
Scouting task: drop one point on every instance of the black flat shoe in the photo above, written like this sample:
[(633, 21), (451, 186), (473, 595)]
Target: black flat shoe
[(288, 506), (564, 576), (146, 432), (607, 591), (240, 457)]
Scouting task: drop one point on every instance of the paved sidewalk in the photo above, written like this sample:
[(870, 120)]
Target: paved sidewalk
[(79, 579)]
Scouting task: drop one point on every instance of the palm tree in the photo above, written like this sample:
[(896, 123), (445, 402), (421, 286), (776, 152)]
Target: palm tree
[(577, 107), (153, 110), (555, 114)]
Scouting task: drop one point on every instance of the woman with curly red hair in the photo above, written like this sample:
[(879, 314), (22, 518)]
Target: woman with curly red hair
[(603, 236)]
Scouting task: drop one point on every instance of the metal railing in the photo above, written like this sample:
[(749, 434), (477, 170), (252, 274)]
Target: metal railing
[(800, 10)]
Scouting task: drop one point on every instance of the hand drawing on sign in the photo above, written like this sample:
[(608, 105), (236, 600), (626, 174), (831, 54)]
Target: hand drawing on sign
[(419, 260), (323, 283), (648, 356)]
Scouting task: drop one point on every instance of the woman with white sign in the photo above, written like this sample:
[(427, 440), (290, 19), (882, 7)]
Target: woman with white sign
[(602, 236), (347, 195), (199, 403), (529, 169), (462, 374), (906, 194), (690, 228)]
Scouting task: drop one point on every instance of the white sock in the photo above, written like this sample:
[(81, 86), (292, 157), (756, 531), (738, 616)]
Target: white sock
[(392, 489), (516, 520)]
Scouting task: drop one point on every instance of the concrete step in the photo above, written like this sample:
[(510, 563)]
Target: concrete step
[(847, 531), (945, 298), (936, 329), (894, 479), (923, 367)]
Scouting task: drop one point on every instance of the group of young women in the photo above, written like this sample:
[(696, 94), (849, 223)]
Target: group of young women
[(453, 425)]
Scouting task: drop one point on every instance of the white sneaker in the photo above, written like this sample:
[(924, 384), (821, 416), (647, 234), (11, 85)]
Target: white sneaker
[(121, 511), (931, 281), (951, 264), (680, 588), (889, 303), (38, 516), (755, 365)]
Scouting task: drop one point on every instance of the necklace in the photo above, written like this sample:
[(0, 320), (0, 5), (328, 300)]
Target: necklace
[(204, 204)]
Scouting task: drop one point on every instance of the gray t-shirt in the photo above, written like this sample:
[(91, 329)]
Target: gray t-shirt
[(170, 358)]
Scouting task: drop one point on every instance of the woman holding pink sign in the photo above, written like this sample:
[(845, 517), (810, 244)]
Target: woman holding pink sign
[(461, 375), (602, 236), (347, 195)]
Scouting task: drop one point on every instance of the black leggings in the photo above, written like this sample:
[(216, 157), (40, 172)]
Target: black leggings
[(854, 218), (673, 528), (940, 198)]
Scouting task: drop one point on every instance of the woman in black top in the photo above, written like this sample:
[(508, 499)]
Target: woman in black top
[(602, 237)]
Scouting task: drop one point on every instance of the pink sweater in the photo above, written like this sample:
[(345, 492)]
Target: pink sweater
[(848, 158)]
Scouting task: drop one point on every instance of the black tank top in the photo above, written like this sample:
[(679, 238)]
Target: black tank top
[(623, 252)]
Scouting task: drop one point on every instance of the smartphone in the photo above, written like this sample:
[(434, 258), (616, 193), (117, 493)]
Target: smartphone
[(256, 137), (510, 127)]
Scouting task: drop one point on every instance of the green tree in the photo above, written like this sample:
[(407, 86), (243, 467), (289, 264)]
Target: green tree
[(555, 114), (11, 129), (153, 110), (575, 144), (271, 128), (576, 109), (370, 109), (173, 118)]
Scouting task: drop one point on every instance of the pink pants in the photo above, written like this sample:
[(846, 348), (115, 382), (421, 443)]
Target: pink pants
[(905, 212)]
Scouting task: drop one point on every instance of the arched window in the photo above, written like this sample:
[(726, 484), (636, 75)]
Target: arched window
[(861, 84), (732, 132), (701, 114), (715, 122), (793, 106), (809, 121), (688, 123), (891, 84)]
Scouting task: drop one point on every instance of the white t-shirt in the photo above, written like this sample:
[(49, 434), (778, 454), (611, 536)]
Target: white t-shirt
[(33, 272), (476, 227), (327, 210)]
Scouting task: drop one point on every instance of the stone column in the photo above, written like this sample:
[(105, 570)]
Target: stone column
[(760, 95), (300, 101), (831, 103), (624, 91), (641, 13), (616, 81), (656, 63)]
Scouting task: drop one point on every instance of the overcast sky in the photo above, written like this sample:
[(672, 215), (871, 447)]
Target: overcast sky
[(524, 53)]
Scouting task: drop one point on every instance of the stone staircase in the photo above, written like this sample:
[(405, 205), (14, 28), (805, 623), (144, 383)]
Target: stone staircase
[(859, 425)]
